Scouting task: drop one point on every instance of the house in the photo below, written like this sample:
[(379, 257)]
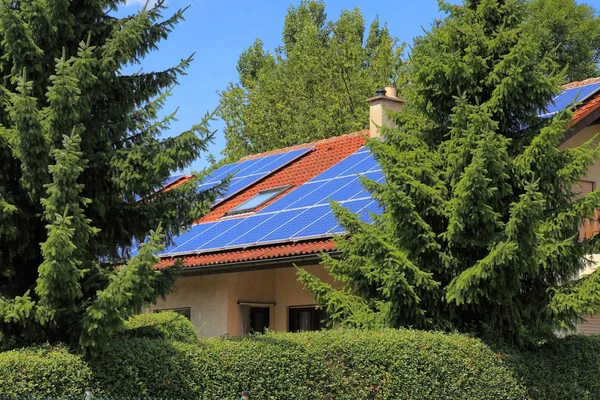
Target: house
[(239, 260)]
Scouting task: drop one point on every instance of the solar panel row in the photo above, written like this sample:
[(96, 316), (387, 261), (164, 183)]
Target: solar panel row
[(301, 214), (246, 173), (570, 96)]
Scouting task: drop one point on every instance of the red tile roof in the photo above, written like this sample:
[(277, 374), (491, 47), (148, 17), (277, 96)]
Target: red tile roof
[(325, 154), (590, 105), (257, 253)]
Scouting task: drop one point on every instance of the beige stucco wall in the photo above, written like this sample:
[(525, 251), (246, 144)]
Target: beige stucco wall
[(213, 299), (289, 292), (593, 323), (209, 311), (591, 326), (581, 137)]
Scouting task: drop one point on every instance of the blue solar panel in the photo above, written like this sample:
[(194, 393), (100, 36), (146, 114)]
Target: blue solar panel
[(246, 173), (322, 224), (291, 226), (341, 167), (185, 242), (227, 236), (263, 227), (301, 214), (172, 179), (570, 96)]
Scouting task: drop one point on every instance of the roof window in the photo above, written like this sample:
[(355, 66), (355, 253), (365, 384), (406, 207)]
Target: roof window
[(258, 200)]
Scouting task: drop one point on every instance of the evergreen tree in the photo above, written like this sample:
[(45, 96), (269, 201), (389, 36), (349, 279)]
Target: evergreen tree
[(82, 164), (315, 84), (481, 213)]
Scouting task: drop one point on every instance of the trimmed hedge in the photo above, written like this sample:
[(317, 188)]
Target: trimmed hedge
[(167, 325), (559, 369), (324, 365), (43, 371)]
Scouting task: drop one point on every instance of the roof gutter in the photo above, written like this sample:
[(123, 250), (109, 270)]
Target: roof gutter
[(279, 262)]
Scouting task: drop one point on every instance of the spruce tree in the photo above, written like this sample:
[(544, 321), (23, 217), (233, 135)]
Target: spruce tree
[(82, 166), (313, 86), (481, 213)]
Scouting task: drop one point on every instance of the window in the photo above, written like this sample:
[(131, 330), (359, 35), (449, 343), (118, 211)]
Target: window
[(306, 318), (258, 200), (186, 312), (583, 187), (260, 319)]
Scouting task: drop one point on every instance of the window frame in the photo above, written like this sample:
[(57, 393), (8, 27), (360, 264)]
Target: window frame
[(316, 324), (276, 192)]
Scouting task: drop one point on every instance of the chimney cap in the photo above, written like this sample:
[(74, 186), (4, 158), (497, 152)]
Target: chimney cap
[(380, 94)]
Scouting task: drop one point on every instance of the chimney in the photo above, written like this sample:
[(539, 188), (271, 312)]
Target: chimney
[(385, 100)]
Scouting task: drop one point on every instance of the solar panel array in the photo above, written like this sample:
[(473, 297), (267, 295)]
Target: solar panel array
[(246, 173), (570, 96), (303, 213)]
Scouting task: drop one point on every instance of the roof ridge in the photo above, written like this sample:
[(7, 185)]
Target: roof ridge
[(584, 82), (304, 145)]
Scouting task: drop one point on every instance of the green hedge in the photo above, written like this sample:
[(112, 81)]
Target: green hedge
[(167, 325), (325, 365), (559, 369), (43, 371)]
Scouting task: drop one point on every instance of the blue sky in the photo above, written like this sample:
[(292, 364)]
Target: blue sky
[(218, 31)]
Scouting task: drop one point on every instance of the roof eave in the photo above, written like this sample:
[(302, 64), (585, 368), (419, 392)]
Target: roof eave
[(586, 121), (258, 264)]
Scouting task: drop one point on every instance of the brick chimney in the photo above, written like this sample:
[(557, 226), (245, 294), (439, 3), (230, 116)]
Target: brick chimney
[(385, 100)]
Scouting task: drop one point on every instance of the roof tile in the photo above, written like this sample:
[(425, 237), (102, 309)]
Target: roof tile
[(252, 254)]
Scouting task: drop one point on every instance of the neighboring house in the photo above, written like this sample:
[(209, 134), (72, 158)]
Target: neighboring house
[(239, 273)]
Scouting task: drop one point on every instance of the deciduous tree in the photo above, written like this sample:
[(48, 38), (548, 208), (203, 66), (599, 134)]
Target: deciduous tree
[(313, 87)]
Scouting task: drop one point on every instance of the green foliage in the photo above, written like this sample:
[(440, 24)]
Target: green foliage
[(314, 86), (345, 364), (167, 325), (43, 371), (321, 365), (560, 369), (481, 217), (80, 145), (570, 32)]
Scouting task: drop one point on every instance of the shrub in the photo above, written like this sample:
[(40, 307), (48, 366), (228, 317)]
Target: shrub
[(335, 364), (167, 325), (43, 371), (559, 369)]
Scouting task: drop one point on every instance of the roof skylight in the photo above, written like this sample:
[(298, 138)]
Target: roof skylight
[(258, 200)]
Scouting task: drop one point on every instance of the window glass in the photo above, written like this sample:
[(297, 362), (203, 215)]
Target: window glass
[(261, 198), (306, 319)]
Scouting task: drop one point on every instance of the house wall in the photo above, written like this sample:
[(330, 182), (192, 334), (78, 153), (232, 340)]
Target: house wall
[(578, 139), (213, 299), (208, 311), (289, 292), (592, 326)]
